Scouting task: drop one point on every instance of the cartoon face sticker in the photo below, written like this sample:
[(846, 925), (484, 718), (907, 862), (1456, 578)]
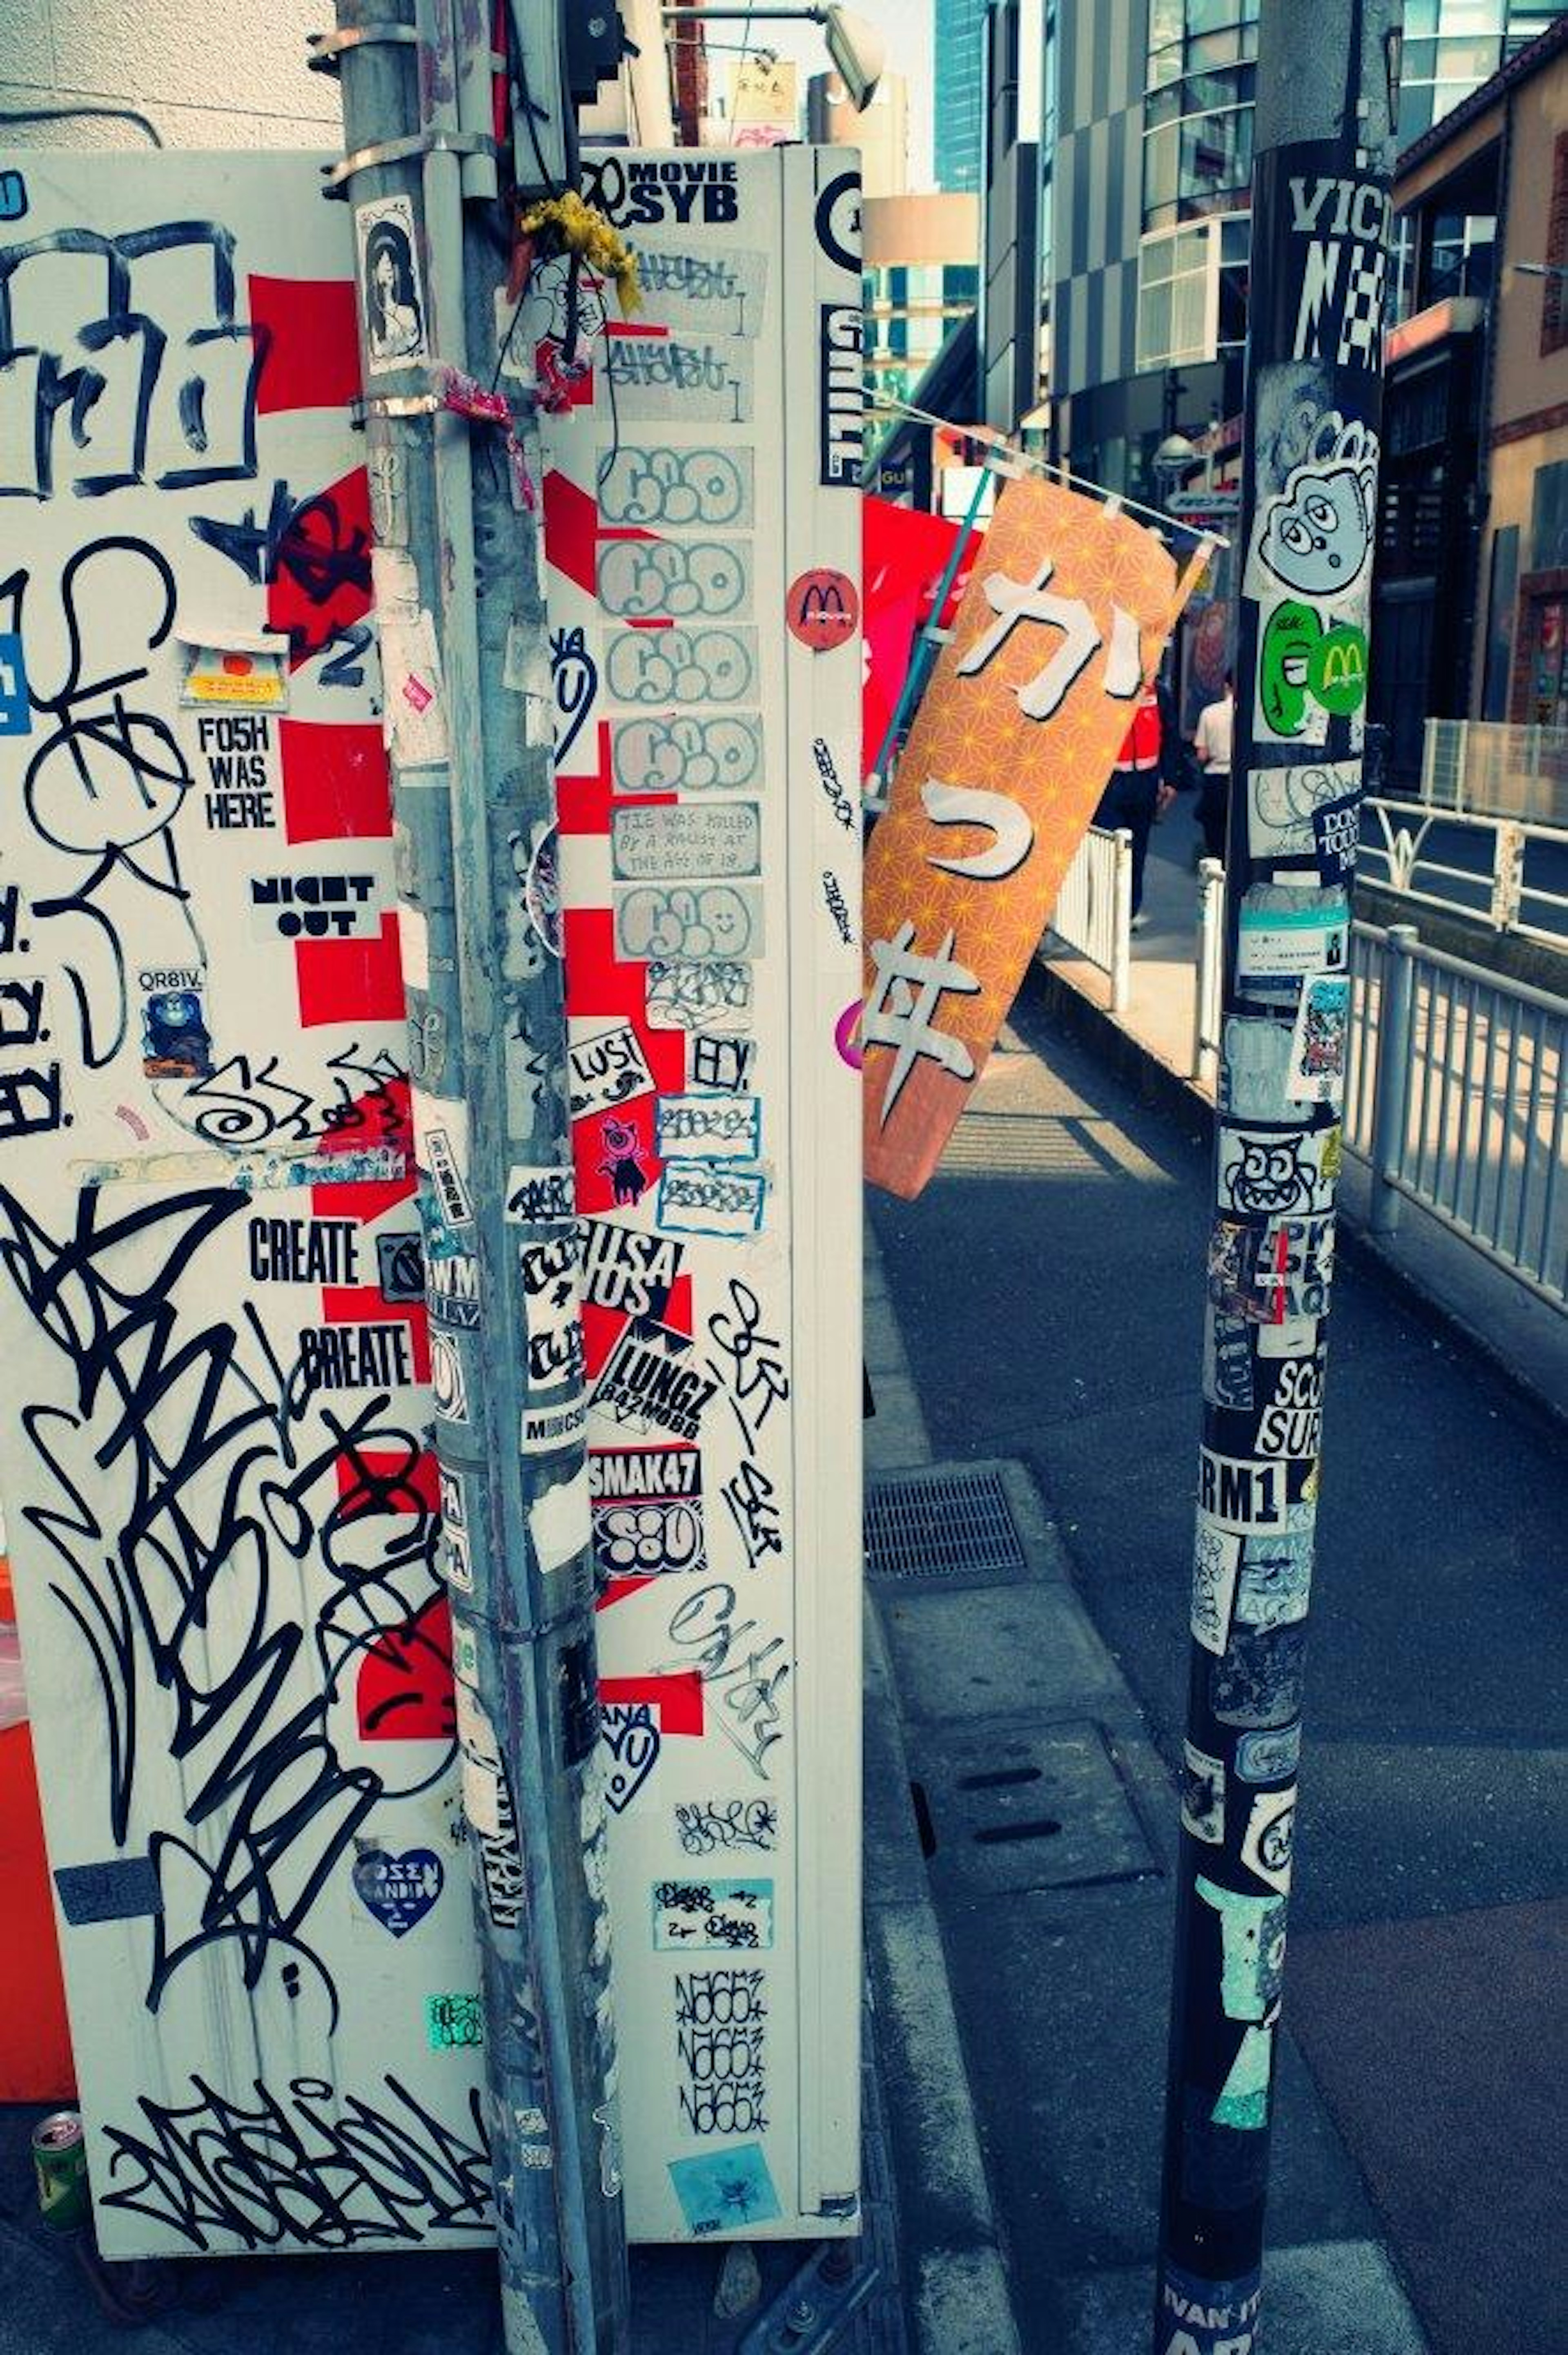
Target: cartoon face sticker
[(1317, 534), (1269, 1175)]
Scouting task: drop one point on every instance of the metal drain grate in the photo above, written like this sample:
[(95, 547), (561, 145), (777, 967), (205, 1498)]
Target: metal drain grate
[(942, 1525)]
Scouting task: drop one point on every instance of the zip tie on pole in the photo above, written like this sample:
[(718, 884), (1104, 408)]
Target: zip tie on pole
[(401, 151), (455, 393), (325, 48), (451, 389)]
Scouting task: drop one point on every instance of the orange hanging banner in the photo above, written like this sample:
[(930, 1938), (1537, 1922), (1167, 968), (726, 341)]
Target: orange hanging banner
[(1066, 613)]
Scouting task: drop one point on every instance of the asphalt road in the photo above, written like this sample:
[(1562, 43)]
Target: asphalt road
[(1051, 1314), (1049, 1288), (1470, 848)]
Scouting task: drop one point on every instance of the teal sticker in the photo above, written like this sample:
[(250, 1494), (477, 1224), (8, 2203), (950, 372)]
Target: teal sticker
[(454, 2024), (1243, 2096), (708, 1916), (1252, 1931), (726, 2190)]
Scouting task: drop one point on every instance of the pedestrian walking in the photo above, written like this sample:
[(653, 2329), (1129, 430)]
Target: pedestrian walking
[(1211, 746), (1144, 781)]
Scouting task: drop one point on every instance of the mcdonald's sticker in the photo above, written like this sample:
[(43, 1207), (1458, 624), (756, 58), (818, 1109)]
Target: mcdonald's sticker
[(823, 609)]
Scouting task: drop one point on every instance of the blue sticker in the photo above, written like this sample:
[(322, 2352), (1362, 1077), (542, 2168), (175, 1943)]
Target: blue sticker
[(16, 711), (13, 195), (726, 2190), (1271, 1756), (121, 1889), (398, 1890), (1199, 2318)]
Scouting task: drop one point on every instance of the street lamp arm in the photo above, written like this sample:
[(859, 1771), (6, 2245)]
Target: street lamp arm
[(857, 50)]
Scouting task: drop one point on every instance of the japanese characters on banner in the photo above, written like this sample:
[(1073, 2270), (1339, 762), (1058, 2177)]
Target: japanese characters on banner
[(702, 542), (223, 1514), (1067, 610)]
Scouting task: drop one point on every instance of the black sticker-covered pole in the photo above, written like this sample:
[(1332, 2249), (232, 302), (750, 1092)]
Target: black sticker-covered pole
[(1327, 81)]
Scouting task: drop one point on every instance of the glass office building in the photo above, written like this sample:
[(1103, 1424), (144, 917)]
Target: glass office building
[(960, 41), (1147, 271)]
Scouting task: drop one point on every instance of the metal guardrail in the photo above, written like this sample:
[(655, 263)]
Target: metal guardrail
[(1453, 1091), (1454, 1097), (1092, 915), (1493, 768), (1501, 894)]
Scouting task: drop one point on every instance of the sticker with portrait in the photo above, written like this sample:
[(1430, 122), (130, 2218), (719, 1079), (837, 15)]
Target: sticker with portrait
[(391, 287)]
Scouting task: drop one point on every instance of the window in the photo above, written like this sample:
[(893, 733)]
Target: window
[(1553, 307), (1197, 147), (1195, 36), (1499, 623), (1173, 299)]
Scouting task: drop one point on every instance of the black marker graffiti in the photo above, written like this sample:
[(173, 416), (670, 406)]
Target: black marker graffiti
[(751, 1370), (163, 1544), (713, 1642), (245, 1106), (334, 2170), (703, 1825), (719, 2017), (306, 541), (124, 385), (106, 782)]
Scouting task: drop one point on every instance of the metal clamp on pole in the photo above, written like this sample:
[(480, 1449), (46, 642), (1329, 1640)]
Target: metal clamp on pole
[(403, 150), (325, 48)]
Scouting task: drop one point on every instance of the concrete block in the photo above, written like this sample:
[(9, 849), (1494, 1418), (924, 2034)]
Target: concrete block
[(992, 1652), (1022, 1806)]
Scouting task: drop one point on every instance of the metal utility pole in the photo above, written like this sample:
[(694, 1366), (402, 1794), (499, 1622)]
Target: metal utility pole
[(1327, 86), (455, 495)]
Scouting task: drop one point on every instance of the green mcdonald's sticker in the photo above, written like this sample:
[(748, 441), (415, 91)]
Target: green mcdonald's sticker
[(1301, 662)]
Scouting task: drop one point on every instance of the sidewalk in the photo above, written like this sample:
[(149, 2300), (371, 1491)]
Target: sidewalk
[(1047, 1288), (1527, 1338)]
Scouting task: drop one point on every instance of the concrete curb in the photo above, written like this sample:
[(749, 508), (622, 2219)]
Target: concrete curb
[(955, 2268), (1158, 1084)]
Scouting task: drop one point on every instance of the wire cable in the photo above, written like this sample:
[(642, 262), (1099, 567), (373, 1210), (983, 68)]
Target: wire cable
[(69, 113)]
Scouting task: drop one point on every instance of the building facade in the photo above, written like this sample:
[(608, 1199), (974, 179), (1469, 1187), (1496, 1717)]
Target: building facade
[(959, 34), (1470, 593), (1143, 119), (880, 131), (921, 285)]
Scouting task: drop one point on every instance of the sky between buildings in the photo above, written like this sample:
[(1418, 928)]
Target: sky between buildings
[(906, 26)]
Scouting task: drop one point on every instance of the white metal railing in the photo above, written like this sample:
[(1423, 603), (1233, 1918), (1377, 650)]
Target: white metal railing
[(1208, 999), (1092, 915), (1453, 1091), (1495, 770), (1455, 1097), (1497, 889)]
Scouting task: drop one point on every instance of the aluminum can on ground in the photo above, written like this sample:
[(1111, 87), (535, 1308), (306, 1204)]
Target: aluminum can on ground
[(59, 2162)]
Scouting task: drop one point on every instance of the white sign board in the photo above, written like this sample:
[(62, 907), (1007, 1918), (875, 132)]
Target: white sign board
[(222, 1509), (704, 547)]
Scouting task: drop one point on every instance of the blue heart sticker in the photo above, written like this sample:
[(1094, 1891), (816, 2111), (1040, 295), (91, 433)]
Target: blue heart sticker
[(398, 1890)]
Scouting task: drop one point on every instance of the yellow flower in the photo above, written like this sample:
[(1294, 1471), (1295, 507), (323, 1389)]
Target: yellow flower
[(581, 229)]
